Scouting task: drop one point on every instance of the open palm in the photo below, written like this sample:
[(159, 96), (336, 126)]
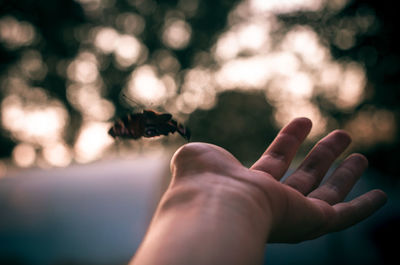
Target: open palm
[(302, 209)]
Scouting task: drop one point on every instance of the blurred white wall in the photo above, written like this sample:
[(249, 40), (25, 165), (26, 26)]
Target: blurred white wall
[(83, 214)]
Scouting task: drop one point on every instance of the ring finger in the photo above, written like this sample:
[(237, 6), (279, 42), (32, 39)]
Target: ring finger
[(314, 167)]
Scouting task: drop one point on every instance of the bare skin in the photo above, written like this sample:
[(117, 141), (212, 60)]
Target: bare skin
[(216, 211)]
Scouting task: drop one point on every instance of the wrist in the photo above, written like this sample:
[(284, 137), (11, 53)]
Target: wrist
[(194, 221), (216, 198)]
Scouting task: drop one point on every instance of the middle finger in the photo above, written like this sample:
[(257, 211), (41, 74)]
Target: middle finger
[(314, 167)]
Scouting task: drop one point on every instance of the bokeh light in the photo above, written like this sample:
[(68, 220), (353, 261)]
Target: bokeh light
[(24, 155), (176, 34), (92, 141), (198, 91), (233, 72), (32, 65), (285, 6), (87, 99), (371, 126), (106, 39), (158, 56), (128, 50), (14, 33), (33, 123), (131, 23), (83, 69), (305, 43), (145, 86), (293, 69), (58, 154)]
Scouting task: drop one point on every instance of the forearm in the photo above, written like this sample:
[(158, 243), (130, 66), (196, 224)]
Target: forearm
[(201, 228)]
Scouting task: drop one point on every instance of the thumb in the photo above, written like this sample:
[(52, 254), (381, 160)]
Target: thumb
[(195, 158)]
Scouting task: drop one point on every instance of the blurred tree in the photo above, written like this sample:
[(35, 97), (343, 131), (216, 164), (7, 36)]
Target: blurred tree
[(62, 30), (244, 131), (54, 23), (361, 31), (372, 25)]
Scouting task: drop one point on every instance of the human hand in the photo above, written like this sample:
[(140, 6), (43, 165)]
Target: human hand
[(294, 210), (216, 211)]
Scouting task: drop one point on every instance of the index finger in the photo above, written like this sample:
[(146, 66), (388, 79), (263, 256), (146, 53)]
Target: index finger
[(276, 159)]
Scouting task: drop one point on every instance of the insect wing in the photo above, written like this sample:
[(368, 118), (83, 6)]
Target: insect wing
[(130, 126), (147, 124), (183, 131)]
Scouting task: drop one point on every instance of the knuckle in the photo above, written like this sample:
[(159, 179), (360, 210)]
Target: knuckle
[(193, 157), (201, 157), (189, 151)]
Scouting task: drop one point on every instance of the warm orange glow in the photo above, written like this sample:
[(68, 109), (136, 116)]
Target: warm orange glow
[(128, 50), (41, 122), (197, 79), (253, 36), (131, 23), (84, 68), (38, 124), (87, 99), (285, 6), (291, 71), (198, 91), (227, 46), (32, 65), (300, 85), (250, 37), (58, 154), (106, 39), (170, 85), (351, 86), (176, 34), (14, 33), (92, 140), (343, 84), (345, 39), (166, 61), (24, 155), (371, 126), (244, 73), (304, 42), (85, 92), (294, 108), (291, 66), (329, 76), (146, 87)]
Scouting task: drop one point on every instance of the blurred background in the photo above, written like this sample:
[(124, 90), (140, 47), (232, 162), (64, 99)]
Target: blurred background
[(233, 71)]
